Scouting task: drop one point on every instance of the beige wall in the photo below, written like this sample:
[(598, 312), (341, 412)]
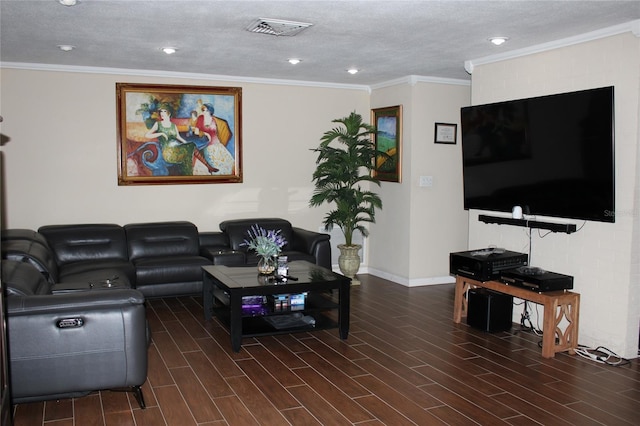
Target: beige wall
[(602, 257), (390, 236), (420, 226), (61, 163), (437, 213)]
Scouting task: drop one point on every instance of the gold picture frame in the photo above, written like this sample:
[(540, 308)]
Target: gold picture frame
[(388, 140), (171, 134)]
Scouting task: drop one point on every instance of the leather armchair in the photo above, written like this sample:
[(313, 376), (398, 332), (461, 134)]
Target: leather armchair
[(71, 344)]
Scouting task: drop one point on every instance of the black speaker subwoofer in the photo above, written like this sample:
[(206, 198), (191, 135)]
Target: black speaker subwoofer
[(488, 310)]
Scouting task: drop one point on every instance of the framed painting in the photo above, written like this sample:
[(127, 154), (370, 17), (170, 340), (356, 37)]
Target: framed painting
[(178, 134), (388, 142), (446, 133)]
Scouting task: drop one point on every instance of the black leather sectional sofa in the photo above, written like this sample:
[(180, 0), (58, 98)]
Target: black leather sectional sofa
[(157, 258), (75, 295)]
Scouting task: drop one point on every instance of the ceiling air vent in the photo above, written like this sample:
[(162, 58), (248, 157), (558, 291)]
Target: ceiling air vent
[(277, 27)]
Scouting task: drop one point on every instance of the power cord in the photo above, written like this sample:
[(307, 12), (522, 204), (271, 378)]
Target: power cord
[(525, 321), (602, 355)]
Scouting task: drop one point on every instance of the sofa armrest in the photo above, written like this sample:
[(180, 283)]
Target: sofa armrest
[(73, 302), (34, 253), (215, 246), (76, 343), (314, 243)]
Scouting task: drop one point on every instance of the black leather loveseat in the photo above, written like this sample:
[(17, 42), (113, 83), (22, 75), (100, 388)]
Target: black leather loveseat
[(157, 258)]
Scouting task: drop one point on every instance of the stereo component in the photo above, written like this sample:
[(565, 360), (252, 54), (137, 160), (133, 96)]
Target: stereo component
[(485, 264)]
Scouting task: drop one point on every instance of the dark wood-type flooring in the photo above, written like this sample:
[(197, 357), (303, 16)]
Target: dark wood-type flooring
[(405, 363)]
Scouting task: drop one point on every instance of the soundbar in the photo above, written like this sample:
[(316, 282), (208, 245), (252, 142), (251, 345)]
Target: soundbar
[(567, 228)]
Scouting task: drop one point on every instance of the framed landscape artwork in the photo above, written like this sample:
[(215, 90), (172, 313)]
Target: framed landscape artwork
[(178, 134), (388, 140)]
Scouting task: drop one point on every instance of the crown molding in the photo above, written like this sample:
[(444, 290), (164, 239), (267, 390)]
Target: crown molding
[(632, 26), (180, 75), (412, 80)]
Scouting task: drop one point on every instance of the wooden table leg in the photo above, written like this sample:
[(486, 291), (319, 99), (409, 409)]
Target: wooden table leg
[(554, 339), (575, 320), (459, 305), (549, 329)]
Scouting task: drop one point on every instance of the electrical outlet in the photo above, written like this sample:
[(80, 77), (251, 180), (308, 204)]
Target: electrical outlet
[(426, 181)]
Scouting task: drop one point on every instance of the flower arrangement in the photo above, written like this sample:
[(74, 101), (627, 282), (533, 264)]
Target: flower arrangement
[(266, 244)]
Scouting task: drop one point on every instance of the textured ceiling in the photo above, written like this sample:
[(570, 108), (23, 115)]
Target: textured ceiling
[(387, 40)]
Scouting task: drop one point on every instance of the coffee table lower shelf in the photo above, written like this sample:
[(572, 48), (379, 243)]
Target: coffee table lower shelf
[(259, 326)]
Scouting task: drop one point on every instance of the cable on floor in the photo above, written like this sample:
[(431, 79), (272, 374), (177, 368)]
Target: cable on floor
[(602, 355)]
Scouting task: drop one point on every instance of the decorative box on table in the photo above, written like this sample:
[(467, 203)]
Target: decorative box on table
[(293, 302)]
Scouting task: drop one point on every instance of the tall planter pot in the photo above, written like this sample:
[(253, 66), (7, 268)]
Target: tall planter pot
[(349, 261)]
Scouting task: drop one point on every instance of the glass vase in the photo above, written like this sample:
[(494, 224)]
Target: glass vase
[(267, 265)]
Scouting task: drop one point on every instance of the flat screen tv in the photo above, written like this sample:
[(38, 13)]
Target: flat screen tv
[(552, 155)]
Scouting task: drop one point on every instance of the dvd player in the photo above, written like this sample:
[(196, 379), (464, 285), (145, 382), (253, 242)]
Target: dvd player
[(485, 264), (536, 279)]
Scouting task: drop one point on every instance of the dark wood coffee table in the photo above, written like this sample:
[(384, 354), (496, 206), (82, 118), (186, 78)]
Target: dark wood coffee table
[(224, 288)]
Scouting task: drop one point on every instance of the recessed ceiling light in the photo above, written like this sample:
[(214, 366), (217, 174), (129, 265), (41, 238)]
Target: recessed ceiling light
[(169, 50), (294, 61), (66, 47), (68, 2), (498, 40), (353, 70)]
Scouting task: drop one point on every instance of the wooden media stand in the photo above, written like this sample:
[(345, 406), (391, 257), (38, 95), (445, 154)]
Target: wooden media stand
[(558, 305)]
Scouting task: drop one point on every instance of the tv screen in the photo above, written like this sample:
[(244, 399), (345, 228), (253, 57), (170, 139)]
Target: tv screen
[(552, 155)]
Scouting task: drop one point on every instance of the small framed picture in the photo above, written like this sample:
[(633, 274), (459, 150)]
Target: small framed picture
[(446, 133), (388, 140)]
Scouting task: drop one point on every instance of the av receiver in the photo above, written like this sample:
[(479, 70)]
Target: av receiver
[(485, 264), (536, 279)]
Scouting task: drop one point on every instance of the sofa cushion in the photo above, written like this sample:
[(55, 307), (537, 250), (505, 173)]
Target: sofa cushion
[(169, 269), (162, 239), (237, 230), (84, 242), (99, 270)]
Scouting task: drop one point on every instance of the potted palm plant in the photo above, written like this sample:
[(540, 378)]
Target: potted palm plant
[(346, 158)]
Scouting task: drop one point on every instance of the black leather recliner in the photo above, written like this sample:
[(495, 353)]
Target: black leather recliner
[(68, 345)]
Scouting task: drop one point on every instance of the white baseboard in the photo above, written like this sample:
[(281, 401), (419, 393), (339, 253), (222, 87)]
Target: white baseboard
[(416, 282)]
